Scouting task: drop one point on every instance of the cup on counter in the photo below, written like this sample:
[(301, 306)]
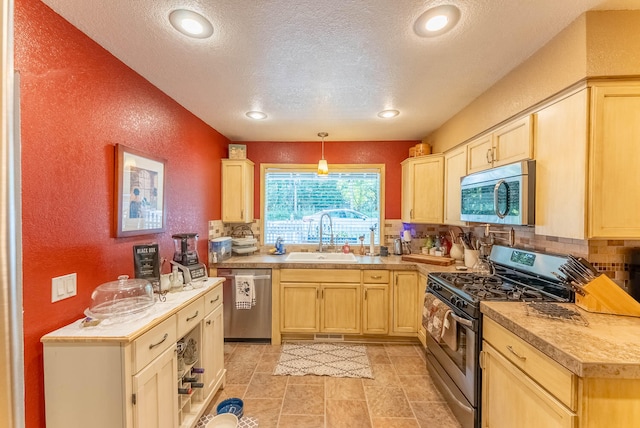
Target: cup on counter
[(384, 251), (470, 257)]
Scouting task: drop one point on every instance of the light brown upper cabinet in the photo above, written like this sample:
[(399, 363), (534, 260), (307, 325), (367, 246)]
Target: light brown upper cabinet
[(455, 167), (237, 191), (423, 189), (614, 158), (561, 131), (507, 144)]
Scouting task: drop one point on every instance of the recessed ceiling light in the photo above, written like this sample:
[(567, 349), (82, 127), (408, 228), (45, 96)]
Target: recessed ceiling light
[(191, 24), (386, 114), (257, 115), (437, 21)]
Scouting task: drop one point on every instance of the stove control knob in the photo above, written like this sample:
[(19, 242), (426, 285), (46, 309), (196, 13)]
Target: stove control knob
[(454, 300), (461, 303), (435, 286)]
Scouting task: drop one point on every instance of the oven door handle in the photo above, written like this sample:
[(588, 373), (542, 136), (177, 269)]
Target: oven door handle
[(463, 321)]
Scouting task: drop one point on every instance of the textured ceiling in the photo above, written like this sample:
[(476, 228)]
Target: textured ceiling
[(324, 65)]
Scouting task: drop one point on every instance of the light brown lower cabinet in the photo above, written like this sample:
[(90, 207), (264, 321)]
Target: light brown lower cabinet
[(405, 307), (521, 387), (320, 301), (111, 380)]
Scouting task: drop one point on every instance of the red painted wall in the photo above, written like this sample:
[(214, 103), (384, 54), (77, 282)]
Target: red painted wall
[(77, 102), (390, 153)]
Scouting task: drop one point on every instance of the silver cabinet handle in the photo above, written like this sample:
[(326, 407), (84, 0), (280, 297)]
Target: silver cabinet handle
[(495, 199), (190, 318), (153, 345), (376, 276), (522, 358), (489, 152), (365, 294)]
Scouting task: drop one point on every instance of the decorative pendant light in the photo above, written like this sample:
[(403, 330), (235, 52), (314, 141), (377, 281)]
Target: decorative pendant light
[(323, 168)]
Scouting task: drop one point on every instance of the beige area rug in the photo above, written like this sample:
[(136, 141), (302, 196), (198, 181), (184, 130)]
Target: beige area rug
[(323, 359)]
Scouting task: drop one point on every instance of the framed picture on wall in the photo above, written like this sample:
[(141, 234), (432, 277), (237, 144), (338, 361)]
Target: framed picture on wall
[(140, 199)]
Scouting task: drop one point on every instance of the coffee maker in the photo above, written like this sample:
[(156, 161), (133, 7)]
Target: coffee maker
[(185, 257)]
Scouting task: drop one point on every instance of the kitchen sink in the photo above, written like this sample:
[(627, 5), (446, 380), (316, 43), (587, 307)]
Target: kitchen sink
[(321, 257)]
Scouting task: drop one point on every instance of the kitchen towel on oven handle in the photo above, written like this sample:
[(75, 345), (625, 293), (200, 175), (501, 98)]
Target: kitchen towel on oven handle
[(437, 321)]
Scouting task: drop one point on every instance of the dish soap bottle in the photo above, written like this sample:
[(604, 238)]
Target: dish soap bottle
[(345, 248)]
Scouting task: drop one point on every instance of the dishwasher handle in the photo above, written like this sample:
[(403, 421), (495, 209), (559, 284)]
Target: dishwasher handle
[(254, 277)]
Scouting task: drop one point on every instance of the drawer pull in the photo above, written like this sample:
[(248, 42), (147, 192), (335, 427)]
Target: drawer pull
[(195, 316), (216, 299), (516, 354), (153, 345), (376, 276), (209, 322)]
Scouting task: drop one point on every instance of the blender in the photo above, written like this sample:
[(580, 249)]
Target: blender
[(185, 257)]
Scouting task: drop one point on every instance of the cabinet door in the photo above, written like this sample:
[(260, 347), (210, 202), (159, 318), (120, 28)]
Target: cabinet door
[(155, 390), (213, 348), (375, 309), (614, 203), (561, 167), (512, 399), (405, 302), (340, 308), (237, 191), (422, 289), (455, 167), (423, 189), (299, 308), (407, 191), (480, 154), (513, 142)]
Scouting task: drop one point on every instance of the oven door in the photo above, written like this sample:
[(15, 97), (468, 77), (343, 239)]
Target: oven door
[(455, 371)]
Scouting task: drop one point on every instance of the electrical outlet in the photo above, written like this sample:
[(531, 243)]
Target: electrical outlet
[(64, 286)]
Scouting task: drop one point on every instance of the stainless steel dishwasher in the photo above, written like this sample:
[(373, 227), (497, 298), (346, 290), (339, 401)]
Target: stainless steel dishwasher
[(247, 324)]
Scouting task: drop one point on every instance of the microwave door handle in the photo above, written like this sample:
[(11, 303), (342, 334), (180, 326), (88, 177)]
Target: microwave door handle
[(495, 199)]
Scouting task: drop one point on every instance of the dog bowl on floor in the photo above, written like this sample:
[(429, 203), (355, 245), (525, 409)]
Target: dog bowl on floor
[(231, 405), (224, 420)]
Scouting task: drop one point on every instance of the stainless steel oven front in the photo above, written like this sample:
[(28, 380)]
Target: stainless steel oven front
[(455, 372)]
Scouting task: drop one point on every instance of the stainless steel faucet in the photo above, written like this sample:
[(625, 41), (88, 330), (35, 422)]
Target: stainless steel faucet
[(320, 234)]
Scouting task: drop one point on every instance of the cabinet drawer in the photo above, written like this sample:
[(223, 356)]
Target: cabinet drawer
[(213, 299), (190, 316), (153, 343), (320, 275), (559, 381), (375, 277)]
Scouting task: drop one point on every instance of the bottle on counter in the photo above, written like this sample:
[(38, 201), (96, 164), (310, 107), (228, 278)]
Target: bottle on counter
[(345, 248)]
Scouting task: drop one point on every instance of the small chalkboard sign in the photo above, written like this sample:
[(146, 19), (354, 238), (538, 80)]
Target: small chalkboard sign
[(146, 262)]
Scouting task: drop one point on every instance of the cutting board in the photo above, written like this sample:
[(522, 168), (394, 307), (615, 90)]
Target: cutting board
[(431, 260)]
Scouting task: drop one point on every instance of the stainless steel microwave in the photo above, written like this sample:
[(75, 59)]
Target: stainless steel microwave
[(502, 195)]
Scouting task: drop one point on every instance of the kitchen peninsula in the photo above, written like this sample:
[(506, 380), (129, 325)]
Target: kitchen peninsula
[(579, 372)]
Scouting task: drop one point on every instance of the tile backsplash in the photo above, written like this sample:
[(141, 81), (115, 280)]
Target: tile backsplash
[(618, 259)]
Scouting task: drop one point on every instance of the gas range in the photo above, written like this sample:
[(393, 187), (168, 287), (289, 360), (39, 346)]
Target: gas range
[(466, 290), (519, 276), (516, 275)]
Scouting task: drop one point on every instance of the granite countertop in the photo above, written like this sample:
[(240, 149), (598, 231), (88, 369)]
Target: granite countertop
[(608, 347), (363, 262), (134, 327)]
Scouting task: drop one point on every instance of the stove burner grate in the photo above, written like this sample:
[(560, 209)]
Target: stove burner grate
[(555, 311)]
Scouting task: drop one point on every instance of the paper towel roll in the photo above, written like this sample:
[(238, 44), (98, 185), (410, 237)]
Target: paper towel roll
[(371, 242), (406, 236)]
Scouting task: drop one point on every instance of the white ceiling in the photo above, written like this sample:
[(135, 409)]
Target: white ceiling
[(324, 65)]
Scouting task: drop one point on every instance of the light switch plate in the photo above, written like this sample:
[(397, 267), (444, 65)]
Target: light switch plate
[(63, 287)]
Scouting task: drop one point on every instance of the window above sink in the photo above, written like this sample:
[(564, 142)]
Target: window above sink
[(295, 198)]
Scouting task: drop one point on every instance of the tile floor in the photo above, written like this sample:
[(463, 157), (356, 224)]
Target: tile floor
[(401, 395)]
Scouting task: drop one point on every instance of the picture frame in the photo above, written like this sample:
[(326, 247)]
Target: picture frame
[(140, 207)]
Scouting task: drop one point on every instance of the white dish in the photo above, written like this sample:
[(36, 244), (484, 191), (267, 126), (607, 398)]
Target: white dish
[(224, 420)]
